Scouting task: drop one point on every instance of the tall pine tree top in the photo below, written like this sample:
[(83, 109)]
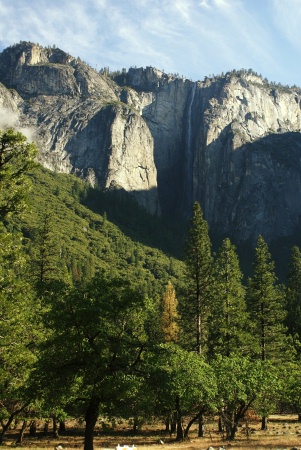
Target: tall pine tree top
[(228, 323), (267, 306), (198, 279)]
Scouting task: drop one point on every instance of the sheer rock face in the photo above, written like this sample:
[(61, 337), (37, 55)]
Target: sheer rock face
[(79, 122), (232, 143)]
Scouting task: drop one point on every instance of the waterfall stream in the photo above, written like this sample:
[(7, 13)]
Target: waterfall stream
[(189, 151)]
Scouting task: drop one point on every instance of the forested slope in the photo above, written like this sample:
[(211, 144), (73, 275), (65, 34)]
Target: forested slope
[(82, 242)]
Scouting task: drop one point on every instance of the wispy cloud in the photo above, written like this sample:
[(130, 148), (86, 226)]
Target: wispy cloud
[(287, 18), (192, 37)]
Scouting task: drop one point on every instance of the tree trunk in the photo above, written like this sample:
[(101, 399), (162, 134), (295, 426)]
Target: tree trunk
[(191, 422), (33, 428), (264, 423), (91, 419), (180, 434), (62, 427), (220, 425), (232, 432), (135, 425), (201, 425), (6, 426), (299, 417), (19, 440), (46, 428), (55, 432), (167, 425), (173, 424)]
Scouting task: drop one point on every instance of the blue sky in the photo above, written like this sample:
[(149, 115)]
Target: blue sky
[(194, 38)]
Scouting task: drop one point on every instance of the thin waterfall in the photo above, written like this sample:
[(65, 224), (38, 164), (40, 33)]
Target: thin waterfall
[(189, 152)]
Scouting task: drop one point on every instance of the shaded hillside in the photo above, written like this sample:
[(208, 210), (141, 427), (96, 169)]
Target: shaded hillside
[(88, 242)]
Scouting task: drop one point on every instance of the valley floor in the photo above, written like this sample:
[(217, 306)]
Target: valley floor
[(284, 432)]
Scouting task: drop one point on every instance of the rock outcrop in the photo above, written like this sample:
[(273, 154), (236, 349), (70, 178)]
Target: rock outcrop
[(233, 143), (80, 124)]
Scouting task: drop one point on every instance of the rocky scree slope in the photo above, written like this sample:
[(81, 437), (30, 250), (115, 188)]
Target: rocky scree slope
[(232, 143)]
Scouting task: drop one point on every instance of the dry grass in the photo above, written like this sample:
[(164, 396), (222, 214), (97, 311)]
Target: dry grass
[(284, 432)]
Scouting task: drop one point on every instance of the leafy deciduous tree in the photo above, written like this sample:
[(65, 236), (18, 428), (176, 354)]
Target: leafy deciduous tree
[(96, 335), (241, 383), (183, 384)]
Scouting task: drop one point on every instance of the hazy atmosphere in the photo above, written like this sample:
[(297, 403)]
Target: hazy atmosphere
[(193, 38)]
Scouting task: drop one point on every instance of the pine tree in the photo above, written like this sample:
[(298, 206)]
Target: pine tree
[(228, 323), (46, 255), (16, 159), (198, 280), (266, 303)]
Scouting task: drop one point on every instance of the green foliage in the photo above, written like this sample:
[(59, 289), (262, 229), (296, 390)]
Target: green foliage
[(19, 328), (46, 263), (82, 242), (182, 382), (293, 297), (267, 307), (241, 383), (229, 317), (292, 386), (16, 159), (95, 332), (198, 282)]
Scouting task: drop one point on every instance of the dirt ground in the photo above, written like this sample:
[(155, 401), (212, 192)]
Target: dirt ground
[(284, 432)]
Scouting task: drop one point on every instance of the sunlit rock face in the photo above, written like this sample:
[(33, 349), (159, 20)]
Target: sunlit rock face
[(79, 122), (231, 143)]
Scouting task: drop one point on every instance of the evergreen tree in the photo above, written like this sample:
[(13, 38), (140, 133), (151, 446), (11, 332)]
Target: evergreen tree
[(195, 306), (16, 159), (228, 322), (45, 255), (266, 303), (293, 296)]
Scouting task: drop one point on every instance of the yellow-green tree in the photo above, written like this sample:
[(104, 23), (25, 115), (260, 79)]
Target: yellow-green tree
[(169, 320)]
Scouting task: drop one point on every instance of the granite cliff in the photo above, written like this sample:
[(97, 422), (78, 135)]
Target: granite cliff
[(233, 142)]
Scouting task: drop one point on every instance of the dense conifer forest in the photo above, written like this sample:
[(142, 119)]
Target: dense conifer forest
[(107, 311)]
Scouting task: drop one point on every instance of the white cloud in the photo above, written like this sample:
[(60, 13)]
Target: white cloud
[(192, 37), (222, 3), (287, 17), (205, 4), (8, 118)]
